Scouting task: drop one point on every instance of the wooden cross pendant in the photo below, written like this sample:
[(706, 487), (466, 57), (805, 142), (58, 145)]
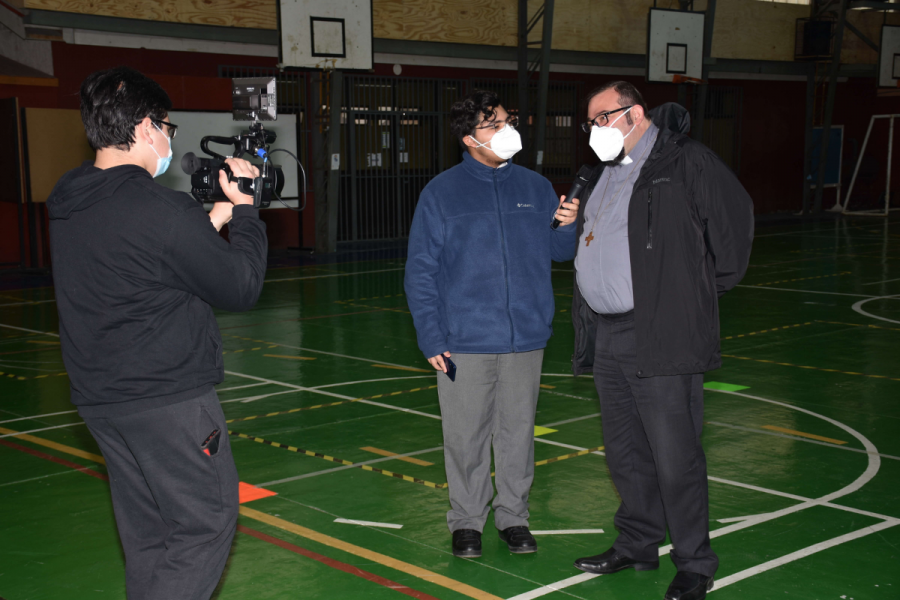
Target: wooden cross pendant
[(589, 239)]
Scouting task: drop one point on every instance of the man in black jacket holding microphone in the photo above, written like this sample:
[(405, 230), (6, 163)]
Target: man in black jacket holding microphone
[(137, 269), (665, 229)]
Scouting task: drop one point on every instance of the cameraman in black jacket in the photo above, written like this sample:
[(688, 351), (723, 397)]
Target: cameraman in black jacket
[(673, 234), (137, 268)]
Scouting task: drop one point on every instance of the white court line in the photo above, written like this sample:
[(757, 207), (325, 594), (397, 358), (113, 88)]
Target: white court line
[(734, 519), (319, 387), (439, 550), (554, 587), (767, 516), (347, 356), (567, 421), (335, 275), (28, 330), (41, 429), (67, 471), (857, 307), (565, 531), (872, 453), (345, 467), (36, 417), (27, 302), (882, 281), (809, 550), (333, 395), (255, 398), (874, 464), (761, 287), (368, 523), (240, 387)]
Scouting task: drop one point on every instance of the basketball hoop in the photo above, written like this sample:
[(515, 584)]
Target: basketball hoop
[(686, 79)]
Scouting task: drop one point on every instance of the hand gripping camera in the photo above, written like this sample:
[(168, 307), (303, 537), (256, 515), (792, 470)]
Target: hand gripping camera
[(253, 99)]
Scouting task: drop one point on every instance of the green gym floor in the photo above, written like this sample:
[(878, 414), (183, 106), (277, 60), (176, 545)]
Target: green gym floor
[(334, 414)]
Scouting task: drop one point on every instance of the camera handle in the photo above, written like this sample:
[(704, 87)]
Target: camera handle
[(235, 142)]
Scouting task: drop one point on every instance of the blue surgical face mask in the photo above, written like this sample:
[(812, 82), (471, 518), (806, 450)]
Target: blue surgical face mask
[(162, 163)]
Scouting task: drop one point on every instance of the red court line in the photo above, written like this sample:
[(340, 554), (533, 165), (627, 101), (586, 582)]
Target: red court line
[(337, 564), (59, 461)]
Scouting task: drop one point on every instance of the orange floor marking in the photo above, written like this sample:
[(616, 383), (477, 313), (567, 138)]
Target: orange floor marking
[(56, 446), (393, 563), (409, 459), (811, 436), (249, 493)]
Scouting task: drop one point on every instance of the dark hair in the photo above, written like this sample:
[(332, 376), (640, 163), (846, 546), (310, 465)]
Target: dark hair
[(628, 96), (464, 114), (114, 101)]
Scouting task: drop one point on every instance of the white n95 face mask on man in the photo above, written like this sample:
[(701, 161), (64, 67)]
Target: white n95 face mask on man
[(504, 144), (607, 142)]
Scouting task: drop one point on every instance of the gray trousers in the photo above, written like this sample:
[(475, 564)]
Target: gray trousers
[(651, 429), (176, 508), (491, 403)]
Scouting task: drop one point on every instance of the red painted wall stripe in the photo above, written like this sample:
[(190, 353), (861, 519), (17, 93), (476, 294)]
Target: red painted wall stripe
[(59, 461), (336, 564)]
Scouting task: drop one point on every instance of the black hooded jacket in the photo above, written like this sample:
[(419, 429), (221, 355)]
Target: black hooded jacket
[(137, 267), (690, 231)]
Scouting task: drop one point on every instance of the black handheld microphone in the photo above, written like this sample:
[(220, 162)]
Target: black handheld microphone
[(581, 180)]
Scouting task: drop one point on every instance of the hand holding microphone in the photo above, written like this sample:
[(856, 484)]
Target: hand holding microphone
[(570, 213)]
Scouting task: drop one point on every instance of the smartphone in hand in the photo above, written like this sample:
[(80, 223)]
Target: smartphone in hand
[(451, 369)]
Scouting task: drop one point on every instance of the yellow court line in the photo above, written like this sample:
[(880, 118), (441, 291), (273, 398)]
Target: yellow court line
[(405, 369), (291, 357), (568, 456), (382, 559), (56, 446), (784, 364), (860, 325), (811, 436), (330, 404), (783, 327), (385, 472), (548, 387), (409, 459)]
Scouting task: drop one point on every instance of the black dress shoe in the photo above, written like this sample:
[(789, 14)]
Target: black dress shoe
[(612, 561), (467, 543), (519, 540), (689, 586)]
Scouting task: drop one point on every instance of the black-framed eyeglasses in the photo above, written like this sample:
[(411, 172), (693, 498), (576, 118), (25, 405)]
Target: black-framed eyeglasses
[(512, 121), (172, 127), (602, 119)]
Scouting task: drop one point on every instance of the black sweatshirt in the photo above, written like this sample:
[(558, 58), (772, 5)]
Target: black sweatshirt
[(137, 268)]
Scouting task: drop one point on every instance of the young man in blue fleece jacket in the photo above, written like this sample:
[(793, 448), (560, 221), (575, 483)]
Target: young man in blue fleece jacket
[(478, 286)]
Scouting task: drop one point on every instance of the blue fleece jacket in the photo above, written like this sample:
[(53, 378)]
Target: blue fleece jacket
[(480, 248)]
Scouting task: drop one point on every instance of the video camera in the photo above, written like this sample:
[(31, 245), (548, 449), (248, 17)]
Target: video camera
[(253, 99)]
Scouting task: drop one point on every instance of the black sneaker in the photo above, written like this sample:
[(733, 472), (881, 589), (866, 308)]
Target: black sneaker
[(519, 540), (467, 543)]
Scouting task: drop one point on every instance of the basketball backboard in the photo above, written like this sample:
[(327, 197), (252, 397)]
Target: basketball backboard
[(889, 60), (674, 45), (325, 34)]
